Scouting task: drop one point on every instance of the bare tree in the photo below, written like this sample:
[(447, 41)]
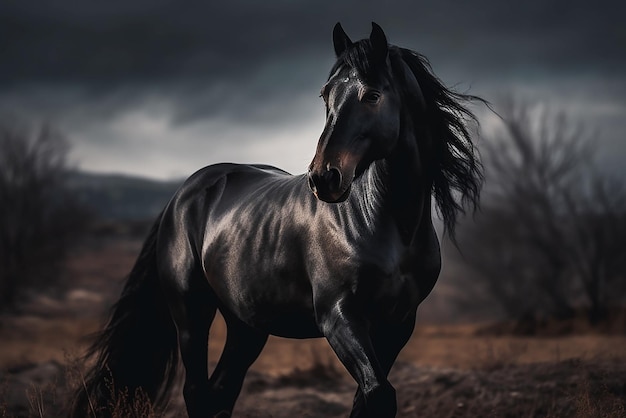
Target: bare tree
[(37, 214), (551, 235), (597, 228)]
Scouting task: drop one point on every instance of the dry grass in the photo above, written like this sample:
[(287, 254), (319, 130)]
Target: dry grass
[(442, 372), (499, 383)]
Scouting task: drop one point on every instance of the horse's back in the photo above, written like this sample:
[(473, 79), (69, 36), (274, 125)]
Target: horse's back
[(209, 183), (208, 175), (204, 198)]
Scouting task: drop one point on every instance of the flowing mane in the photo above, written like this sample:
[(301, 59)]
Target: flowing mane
[(456, 170)]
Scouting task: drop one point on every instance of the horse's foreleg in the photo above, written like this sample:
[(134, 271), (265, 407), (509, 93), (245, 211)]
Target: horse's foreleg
[(349, 336), (243, 346), (387, 340)]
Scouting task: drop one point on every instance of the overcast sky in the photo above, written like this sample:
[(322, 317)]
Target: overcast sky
[(162, 88)]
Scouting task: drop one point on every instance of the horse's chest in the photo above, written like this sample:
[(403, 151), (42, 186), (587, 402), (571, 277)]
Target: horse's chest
[(395, 281), (392, 296)]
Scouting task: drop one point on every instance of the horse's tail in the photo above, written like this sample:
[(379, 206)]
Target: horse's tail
[(136, 355)]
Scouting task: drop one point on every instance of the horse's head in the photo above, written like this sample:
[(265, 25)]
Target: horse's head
[(383, 101), (362, 114)]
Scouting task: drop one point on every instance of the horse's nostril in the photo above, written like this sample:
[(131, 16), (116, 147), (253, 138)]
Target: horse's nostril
[(328, 181), (332, 177)]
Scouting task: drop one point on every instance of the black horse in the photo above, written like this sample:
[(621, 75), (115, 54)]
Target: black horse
[(346, 251)]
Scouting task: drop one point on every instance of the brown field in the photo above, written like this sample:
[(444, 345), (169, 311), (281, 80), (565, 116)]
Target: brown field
[(444, 371)]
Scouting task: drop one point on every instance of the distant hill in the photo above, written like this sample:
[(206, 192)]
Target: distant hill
[(116, 197)]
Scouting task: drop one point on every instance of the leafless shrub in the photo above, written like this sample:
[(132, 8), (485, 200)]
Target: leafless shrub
[(550, 236), (38, 217)]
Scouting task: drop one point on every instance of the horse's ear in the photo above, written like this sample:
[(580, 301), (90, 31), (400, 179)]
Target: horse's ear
[(341, 41), (411, 85), (379, 42)]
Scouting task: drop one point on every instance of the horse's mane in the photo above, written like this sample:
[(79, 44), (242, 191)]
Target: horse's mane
[(457, 171)]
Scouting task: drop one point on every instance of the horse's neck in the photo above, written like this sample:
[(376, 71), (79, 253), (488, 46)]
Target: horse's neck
[(399, 185)]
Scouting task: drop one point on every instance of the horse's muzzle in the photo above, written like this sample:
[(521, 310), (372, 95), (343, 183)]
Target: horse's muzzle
[(327, 185)]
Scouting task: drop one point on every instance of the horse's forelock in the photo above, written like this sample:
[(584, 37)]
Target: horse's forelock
[(360, 57)]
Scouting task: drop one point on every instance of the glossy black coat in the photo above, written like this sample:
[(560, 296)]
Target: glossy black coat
[(346, 251)]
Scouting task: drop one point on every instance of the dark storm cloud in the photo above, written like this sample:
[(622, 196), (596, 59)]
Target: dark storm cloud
[(112, 43), (143, 41), (249, 62)]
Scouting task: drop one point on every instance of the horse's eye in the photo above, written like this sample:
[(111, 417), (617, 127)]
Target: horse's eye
[(372, 96)]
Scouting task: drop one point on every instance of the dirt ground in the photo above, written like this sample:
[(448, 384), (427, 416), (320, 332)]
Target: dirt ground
[(444, 371)]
